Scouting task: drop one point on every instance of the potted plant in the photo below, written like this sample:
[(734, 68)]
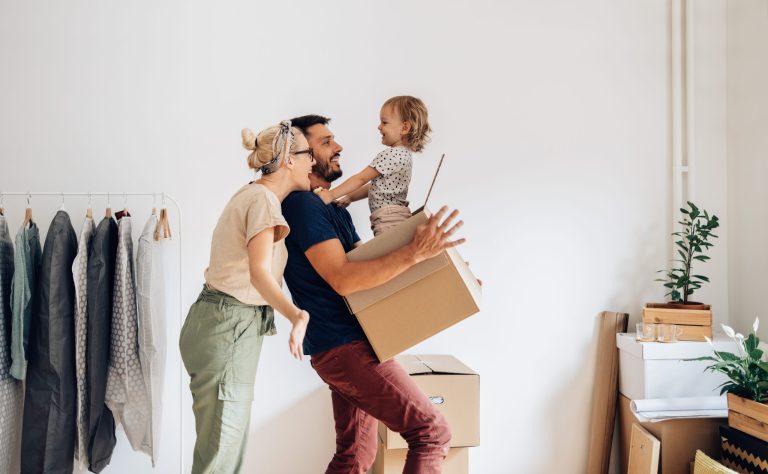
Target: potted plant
[(747, 384), (691, 242)]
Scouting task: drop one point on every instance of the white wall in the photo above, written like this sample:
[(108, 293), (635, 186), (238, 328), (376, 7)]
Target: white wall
[(707, 147), (554, 116), (747, 161)]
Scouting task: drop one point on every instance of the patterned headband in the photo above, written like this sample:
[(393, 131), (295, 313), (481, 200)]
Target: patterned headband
[(281, 145)]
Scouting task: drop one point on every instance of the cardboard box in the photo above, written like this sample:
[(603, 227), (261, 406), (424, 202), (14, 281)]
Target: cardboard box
[(679, 439), (657, 369), (392, 461), (420, 302), (453, 387)]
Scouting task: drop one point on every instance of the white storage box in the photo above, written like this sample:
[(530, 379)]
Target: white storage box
[(657, 369)]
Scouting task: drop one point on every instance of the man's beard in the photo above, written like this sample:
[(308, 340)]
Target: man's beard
[(326, 171)]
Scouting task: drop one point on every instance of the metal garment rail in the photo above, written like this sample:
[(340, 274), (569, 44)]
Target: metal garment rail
[(154, 196)]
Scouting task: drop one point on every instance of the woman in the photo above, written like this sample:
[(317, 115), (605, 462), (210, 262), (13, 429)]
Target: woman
[(222, 335)]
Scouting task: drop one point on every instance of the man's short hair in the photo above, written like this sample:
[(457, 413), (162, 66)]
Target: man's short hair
[(306, 121)]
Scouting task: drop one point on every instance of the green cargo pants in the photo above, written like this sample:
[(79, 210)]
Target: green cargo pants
[(220, 344)]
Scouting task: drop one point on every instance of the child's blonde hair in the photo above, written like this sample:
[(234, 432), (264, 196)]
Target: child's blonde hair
[(412, 110)]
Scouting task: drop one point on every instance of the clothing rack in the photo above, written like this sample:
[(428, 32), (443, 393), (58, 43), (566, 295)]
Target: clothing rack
[(163, 196)]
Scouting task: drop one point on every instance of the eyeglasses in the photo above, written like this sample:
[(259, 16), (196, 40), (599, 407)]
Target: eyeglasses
[(308, 151)]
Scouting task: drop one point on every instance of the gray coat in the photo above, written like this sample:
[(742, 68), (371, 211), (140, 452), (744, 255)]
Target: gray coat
[(48, 432)]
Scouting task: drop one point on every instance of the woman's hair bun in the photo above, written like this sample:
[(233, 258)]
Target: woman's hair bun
[(249, 139)]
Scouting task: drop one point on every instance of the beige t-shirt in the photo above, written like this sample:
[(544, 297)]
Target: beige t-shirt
[(252, 209)]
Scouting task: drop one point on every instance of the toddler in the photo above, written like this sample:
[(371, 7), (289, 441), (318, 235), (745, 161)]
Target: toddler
[(404, 129)]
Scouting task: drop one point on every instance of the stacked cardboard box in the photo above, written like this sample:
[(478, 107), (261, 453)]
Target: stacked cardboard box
[(679, 438), (658, 370), (650, 370), (454, 388), (695, 325)]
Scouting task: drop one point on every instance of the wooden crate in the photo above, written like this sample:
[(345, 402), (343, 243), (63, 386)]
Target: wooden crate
[(696, 324), (748, 416), (656, 313), (694, 333)]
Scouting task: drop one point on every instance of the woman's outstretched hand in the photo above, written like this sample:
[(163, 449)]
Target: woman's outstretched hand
[(343, 201), (296, 338), (324, 194)]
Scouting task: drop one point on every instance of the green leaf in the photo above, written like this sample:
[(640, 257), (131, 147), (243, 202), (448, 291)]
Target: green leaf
[(700, 358), (750, 344), (728, 356)]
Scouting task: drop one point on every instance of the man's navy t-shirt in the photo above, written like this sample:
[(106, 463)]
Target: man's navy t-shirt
[(312, 222)]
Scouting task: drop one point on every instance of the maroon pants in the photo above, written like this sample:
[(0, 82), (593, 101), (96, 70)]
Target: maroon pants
[(364, 390)]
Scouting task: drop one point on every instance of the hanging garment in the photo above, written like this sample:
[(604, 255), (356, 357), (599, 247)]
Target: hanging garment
[(150, 290), (126, 393), (48, 432), (80, 276), (101, 278), (27, 261), (11, 394)]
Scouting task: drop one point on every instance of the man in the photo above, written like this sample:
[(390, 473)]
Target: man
[(318, 274)]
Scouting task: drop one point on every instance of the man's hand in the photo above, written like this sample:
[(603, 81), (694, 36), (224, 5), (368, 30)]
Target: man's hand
[(432, 237), (297, 335)]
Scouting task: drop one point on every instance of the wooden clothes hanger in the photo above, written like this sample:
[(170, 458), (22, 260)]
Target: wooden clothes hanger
[(27, 212), (89, 210), (108, 212), (163, 229)]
